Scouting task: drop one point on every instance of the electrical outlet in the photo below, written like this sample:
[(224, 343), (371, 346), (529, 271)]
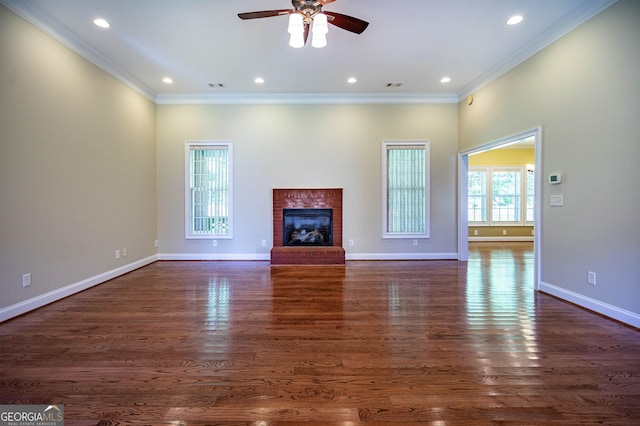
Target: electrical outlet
[(351, 242), (415, 243), (124, 252), (155, 243), (591, 278), (117, 254), (26, 280), (475, 232), (264, 243), (214, 243), (504, 232)]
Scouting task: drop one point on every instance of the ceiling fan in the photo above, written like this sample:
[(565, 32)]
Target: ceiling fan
[(305, 12)]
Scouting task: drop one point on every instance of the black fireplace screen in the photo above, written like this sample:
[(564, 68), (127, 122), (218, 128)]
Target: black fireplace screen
[(307, 227)]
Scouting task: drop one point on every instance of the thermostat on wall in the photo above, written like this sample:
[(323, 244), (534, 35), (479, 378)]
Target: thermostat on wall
[(555, 178)]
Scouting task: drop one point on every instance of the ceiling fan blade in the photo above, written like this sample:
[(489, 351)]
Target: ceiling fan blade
[(265, 13), (306, 32), (346, 22), (326, 2)]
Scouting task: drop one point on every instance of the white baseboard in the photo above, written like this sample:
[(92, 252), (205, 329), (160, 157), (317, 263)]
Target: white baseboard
[(52, 296), (401, 256), (214, 256), (602, 308)]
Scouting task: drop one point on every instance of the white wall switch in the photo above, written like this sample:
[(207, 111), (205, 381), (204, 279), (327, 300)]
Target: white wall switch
[(556, 200)]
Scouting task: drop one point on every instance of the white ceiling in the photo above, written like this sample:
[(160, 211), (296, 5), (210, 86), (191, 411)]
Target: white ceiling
[(413, 42)]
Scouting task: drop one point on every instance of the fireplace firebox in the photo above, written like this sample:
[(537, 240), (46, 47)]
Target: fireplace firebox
[(307, 227)]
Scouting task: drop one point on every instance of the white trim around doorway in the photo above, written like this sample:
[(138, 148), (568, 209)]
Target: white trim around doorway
[(463, 170)]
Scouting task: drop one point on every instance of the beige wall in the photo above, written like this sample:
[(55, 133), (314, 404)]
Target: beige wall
[(583, 91), (77, 167), (307, 146)]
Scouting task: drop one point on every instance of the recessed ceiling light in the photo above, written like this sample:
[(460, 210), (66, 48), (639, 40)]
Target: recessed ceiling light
[(167, 80), (445, 79), (259, 80), (102, 23), (352, 80), (514, 20)]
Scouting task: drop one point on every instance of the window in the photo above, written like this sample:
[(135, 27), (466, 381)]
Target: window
[(505, 191), (496, 195), (405, 195), (477, 195), (208, 190)]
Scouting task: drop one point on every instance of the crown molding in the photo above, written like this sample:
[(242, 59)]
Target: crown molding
[(305, 98), (561, 27)]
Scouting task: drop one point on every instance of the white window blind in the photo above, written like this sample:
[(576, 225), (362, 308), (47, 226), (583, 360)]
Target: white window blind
[(208, 190), (406, 189)]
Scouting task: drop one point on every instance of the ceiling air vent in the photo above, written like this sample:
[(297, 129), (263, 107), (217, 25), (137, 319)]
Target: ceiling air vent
[(216, 85), (394, 84)]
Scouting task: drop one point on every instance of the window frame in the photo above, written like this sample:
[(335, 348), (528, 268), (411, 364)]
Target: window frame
[(524, 195), (189, 146), (425, 145)]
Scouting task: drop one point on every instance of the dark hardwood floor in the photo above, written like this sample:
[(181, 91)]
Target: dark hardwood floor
[(244, 343)]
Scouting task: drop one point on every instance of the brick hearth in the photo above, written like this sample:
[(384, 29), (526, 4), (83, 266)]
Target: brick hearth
[(322, 198)]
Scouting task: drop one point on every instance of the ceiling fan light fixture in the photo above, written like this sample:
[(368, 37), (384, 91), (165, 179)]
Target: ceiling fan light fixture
[(296, 29), (320, 30), (319, 40), (296, 40), (296, 24), (320, 24)]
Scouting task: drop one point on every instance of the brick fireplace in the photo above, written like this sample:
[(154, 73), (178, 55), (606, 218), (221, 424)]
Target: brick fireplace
[(317, 198)]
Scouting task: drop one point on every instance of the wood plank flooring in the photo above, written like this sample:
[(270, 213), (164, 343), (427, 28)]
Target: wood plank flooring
[(244, 343)]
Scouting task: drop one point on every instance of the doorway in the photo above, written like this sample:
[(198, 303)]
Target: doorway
[(463, 171)]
